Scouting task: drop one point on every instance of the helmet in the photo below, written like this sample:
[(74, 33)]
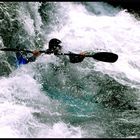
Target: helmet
[(54, 41), (54, 44)]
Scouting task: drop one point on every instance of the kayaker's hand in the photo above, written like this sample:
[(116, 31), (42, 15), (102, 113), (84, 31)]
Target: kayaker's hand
[(36, 53), (82, 53)]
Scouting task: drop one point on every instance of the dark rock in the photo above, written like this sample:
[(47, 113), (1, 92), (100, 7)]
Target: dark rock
[(132, 6)]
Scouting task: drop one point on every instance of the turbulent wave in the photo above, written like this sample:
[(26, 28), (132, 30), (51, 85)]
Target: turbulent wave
[(54, 98)]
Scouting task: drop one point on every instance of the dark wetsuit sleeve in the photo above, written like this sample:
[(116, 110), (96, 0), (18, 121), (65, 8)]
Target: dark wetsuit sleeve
[(76, 58), (31, 59)]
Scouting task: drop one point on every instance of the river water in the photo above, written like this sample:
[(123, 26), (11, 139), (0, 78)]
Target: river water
[(53, 99)]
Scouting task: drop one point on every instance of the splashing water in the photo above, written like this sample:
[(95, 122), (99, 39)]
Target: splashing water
[(52, 99)]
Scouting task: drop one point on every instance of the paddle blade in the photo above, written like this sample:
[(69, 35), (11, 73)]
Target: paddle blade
[(105, 57)]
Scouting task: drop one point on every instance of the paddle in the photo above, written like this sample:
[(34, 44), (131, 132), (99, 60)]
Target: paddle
[(76, 58), (100, 56), (15, 50)]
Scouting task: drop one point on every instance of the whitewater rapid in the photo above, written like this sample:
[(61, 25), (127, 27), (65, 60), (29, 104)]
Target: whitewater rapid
[(48, 99)]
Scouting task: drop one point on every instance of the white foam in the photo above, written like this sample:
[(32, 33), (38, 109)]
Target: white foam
[(61, 130), (118, 34)]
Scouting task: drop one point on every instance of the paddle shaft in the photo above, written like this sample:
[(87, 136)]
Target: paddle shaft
[(100, 56)]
